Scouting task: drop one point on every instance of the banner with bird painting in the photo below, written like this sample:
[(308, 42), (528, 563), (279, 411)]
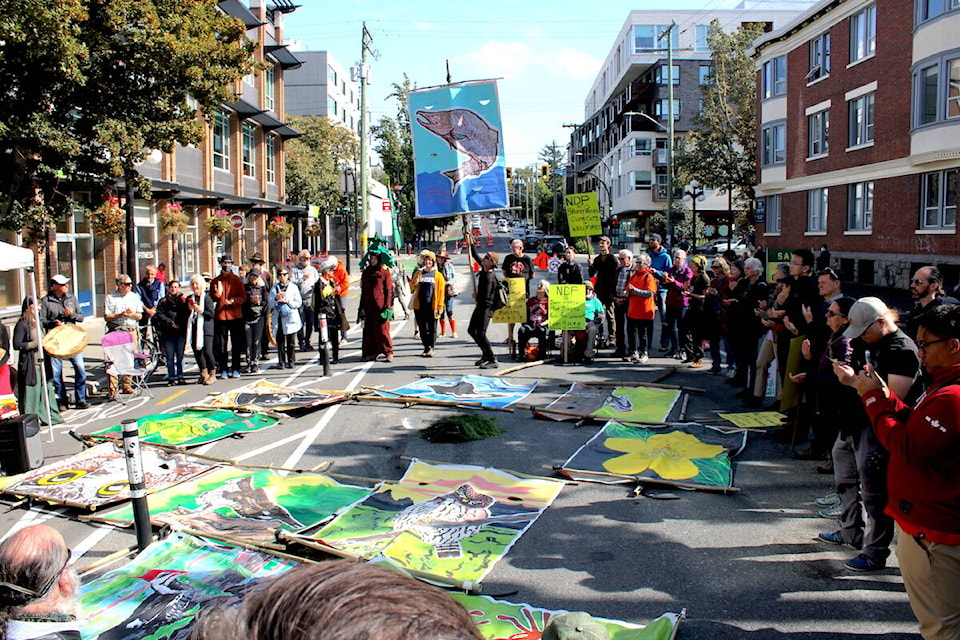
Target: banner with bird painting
[(446, 522), (685, 455), (98, 476), (267, 396), (485, 391), (458, 149), (625, 404), (502, 620), (160, 592), (245, 504), (192, 428)]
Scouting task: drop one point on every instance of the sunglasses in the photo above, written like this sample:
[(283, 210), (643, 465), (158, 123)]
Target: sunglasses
[(919, 283), (126, 284), (834, 314)]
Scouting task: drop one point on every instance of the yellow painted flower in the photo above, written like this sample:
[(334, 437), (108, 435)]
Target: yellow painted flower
[(668, 454)]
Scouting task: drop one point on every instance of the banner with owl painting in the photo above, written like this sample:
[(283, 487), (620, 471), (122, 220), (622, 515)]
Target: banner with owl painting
[(449, 521)]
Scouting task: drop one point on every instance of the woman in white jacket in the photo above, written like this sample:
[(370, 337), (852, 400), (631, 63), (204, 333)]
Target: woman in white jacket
[(284, 307)]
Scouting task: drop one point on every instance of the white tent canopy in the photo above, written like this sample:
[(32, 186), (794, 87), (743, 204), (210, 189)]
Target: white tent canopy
[(15, 257)]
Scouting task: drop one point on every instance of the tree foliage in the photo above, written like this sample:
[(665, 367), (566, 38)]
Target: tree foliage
[(721, 152), (551, 192), (93, 86), (315, 162)]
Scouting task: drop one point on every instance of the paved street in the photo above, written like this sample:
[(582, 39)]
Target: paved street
[(744, 565)]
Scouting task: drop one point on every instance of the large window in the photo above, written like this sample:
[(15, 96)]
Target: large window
[(661, 109), (937, 90), (861, 120), (645, 37), (642, 147), (819, 57), (863, 34), (664, 74), (269, 78), (927, 9), (775, 77), (641, 180), (773, 214), (817, 211), (703, 30), (249, 149), (331, 78), (939, 200), (953, 88), (818, 131), (704, 74), (773, 144), (929, 80), (221, 140), (860, 207), (271, 168)]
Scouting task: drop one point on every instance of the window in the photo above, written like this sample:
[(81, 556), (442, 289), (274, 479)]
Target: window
[(863, 34), (663, 184), (818, 130), (642, 147), (705, 71), (221, 140), (939, 199), (937, 90), (331, 107), (773, 144), (640, 180), (249, 149), (928, 9), (663, 74), (703, 30), (331, 77), (861, 120), (819, 57), (953, 89), (775, 77), (773, 214), (860, 207), (645, 37), (929, 79), (661, 109), (271, 166), (269, 78), (817, 211)]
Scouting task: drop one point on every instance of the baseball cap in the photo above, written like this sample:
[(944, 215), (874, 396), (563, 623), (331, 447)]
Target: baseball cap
[(864, 313), (60, 279), (655, 236), (495, 257), (605, 239), (575, 625)]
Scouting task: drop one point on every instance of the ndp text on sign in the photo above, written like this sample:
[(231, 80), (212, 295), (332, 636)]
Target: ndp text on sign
[(583, 214)]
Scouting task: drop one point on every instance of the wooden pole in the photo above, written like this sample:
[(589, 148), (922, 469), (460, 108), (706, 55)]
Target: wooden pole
[(672, 483)]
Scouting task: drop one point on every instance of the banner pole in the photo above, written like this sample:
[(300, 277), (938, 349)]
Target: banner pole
[(138, 487)]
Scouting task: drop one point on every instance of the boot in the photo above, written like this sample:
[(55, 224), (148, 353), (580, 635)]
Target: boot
[(211, 377), (443, 327), (453, 328), (203, 377)]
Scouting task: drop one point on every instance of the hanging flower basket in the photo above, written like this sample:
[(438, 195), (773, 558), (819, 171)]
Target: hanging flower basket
[(173, 221), (312, 230), (219, 223), (108, 220), (280, 228)]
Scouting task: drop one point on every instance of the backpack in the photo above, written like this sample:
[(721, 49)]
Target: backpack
[(501, 295)]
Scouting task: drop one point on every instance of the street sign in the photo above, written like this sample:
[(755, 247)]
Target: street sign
[(237, 220), (386, 205)]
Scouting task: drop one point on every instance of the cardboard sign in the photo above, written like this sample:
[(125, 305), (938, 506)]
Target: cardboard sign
[(583, 214), (516, 309), (568, 304)]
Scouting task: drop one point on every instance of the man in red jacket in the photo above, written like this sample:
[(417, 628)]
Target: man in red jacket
[(228, 290), (923, 476)]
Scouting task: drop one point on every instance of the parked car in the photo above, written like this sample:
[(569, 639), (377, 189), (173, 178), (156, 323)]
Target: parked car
[(503, 226), (720, 245), (553, 245), (532, 241)]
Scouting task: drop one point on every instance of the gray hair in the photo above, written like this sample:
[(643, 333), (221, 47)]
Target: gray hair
[(643, 258), (753, 262), (198, 279), (679, 255), (545, 285), (625, 253)]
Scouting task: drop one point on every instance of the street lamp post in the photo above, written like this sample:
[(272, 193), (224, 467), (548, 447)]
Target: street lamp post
[(693, 193)]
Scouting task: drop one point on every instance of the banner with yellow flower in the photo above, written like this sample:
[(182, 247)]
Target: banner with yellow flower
[(686, 455)]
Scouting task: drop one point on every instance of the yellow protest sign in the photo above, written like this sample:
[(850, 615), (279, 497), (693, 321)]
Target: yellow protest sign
[(568, 304), (516, 309), (754, 419), (583, 214)]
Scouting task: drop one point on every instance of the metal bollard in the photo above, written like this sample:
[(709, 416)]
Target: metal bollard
[(138, 487), (324, 343)]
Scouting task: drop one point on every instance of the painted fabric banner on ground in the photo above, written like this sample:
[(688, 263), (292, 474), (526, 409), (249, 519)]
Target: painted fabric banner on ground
[(626, 404), (192, 428), (266, 396), (484, 390), (690, 455), (502, 620), (98, 476), (450, 521), (159, 593), (246, 505), (458, 149)]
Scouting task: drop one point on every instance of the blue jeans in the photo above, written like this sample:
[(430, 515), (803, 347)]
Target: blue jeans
[(79, 378), (173, 347)]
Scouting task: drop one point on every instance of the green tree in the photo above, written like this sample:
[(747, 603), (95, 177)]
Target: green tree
[(550, 194), (721, 152), (93, 86), (315, 162)]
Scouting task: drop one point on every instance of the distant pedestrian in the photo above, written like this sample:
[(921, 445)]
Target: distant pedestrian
[(483, 311), (603, 267), (171, 320), (427, 287), (283, 305), (376, 300)]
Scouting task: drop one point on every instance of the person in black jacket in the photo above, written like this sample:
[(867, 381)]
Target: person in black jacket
[(483, 312), (200, 328), (56, 308), (569, 271), (171, 317)]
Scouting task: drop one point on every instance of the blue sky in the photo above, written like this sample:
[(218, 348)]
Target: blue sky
[(546, 54)]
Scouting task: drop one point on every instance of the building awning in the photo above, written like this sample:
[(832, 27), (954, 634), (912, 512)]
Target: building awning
[(282, 55), (234, 204), (286, 132), (239, 10), (205, 197), (246, 109), (266, 121)]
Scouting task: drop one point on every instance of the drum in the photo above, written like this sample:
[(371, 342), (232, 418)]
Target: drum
[(65, 341)]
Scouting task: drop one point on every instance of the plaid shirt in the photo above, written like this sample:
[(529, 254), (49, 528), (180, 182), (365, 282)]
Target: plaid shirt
[(623, 276)]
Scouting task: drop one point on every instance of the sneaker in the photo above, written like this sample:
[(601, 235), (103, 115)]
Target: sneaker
[(831, 513), (254, 368), (235, 374), (82, 405), (828, 500), (864, 563), (833, 537), (479, 362), (489, 364), (715, 370), (644, 357), (730, 372), (696, 364), (635, 358), (223, 376), (455, 335)]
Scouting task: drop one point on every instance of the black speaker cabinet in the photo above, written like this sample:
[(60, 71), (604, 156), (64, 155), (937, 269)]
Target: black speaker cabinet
[(21, 447)]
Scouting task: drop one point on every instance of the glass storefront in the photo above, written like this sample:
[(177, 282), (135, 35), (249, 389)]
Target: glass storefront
[(75, 258)]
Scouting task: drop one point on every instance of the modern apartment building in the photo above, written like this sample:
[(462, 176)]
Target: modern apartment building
[(322, 87), (621, 148), (860, 136)]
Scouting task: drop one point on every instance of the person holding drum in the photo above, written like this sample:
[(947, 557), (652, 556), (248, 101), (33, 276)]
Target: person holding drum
[(60, 307)]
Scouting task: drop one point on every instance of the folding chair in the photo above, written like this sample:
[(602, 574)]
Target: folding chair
[(120, 350)]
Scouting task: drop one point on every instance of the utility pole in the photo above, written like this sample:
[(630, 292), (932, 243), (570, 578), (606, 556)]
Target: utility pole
[(666, 34), (363, 73)]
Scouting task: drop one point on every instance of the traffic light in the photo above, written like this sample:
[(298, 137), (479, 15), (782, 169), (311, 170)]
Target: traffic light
[(545, 172), (509, 175)]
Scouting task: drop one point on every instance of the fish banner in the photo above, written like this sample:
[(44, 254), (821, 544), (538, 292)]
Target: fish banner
[(626, 404), (246, 505), (266, 396), (159, 593), (98, 476), (451, 522), (458, 149), (502, 620), (686, 455), (192, 428), (486, 391)]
